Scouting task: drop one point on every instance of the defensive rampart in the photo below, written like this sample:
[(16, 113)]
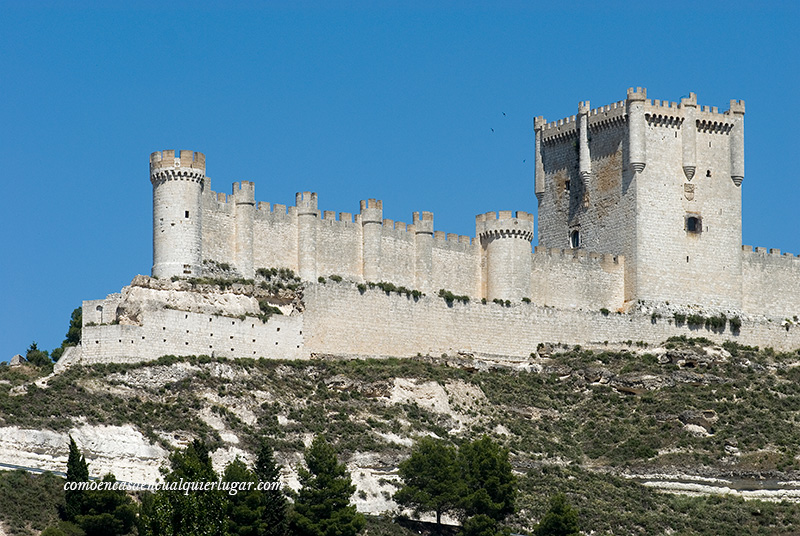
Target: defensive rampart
[(771, 283), (348, 319)]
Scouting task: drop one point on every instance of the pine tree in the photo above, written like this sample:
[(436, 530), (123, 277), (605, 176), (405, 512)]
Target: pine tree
[(489, 483), (322, 507), (96, 512), (430, 479), (274, 516), (244, 508), (77, 471)]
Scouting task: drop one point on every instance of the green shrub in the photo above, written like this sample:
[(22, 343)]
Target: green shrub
[(716, 323), (336, 278), (695, 320), (449, 297), (604, 311)]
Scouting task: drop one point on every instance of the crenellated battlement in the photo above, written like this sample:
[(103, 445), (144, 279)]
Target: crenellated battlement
[(177, 165), (504, 225), (768, 252), (306, 203), (600, 117), (422, 222), (664, 113), (244, 193)]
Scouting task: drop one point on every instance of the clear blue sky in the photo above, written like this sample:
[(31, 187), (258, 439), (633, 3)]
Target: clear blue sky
[(393, 100)]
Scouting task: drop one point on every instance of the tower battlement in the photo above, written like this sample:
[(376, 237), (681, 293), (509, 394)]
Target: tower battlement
[(504, 224), (177, 164)]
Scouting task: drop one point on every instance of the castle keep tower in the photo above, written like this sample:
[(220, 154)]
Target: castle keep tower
[(178, 182), (657, 182)]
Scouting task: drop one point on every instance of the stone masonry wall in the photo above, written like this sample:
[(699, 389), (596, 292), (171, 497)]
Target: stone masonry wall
[(341, 320), (174, 332), (574, 279), (771, 283)]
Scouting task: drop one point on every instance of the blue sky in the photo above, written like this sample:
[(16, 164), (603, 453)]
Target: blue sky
[(392, 100)]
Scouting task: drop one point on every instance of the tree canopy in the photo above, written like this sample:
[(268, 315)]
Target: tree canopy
[(96, 512), (490, 486), (560, 520), (431, 479), (476, 482), (186, 513), (322, 506)]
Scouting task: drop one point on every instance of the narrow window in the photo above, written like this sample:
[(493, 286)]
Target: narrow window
[(575, 239), (708, 173), (186, 214)]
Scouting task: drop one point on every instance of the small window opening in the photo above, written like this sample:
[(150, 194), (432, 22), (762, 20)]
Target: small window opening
[(693, 224), (708, 173), (186, 214), (566, 186), (575, 239)]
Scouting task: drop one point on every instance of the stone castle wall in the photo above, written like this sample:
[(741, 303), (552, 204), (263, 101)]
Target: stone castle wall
[(340, 319), (771, 282)]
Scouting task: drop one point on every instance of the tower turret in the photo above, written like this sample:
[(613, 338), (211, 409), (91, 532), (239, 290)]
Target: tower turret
[(689, 137), (637, 144), (245, 205), (584, 157), (371, 228), (423, 243), (506, 253), (737, 141), (307, 217), (178, 179), (538, 124)]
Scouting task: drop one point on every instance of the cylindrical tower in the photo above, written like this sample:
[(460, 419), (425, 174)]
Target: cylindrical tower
[(538, 125), (178, 180), (244, 198), (689, 135), (584, 157), (737, 142), (371, 228), (506, 247), (307, 217), (423, 244), (636, 129)]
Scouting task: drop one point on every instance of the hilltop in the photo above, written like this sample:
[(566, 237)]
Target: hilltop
[(607, 427)]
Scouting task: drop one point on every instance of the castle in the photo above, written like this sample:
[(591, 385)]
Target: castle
[(639, 207)]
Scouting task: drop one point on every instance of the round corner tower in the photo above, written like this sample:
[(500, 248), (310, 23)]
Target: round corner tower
[(178, 180), (506, 254)]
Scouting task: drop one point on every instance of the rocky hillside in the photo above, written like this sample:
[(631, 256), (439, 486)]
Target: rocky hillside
[(611, 428)]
